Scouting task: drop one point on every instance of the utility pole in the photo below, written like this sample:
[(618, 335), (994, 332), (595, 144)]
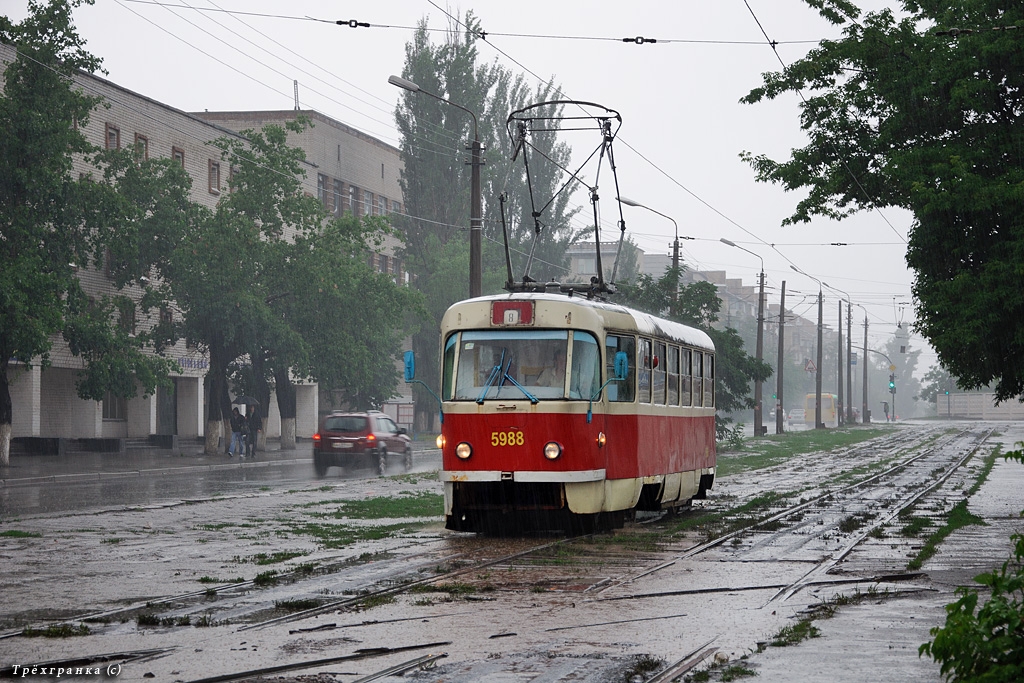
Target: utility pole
[(818, 424), (759, 405), (780, 415), (849, 363), (759, 429), (475, 204), (864, 406), (840, 418), (476, 220)]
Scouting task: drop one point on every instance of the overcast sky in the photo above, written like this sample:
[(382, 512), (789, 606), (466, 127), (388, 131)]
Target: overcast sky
[(677, 151)]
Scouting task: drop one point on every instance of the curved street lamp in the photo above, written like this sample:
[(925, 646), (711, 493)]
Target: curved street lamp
[(675, 246), (818, 424), (758, 412), (475, 209)]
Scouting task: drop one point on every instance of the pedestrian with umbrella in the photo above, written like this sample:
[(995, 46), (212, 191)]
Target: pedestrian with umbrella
[(253, 423), (237, 427)]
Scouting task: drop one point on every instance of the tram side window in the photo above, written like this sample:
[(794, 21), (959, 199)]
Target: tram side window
[(709, 380), (644, 365), (622, 392), (685, 365), (448, 370), (660, 366), (585, 377), (698, 374), (672, 368)]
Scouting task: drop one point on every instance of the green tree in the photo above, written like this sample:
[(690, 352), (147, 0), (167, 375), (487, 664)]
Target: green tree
[(353, 318), (54, 223), (697, 304), (937, 381), (277, 291), (435, 182), (905, 112)]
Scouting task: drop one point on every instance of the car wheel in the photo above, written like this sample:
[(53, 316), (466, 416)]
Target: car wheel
[(382, 462), (320, 466), (408, 458)]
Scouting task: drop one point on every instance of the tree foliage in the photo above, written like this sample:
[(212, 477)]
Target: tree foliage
[(273, 288), (435, 181), (906, 112), (54, 223)]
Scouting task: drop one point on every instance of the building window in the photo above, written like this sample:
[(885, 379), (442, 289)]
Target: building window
[(353, 200), (166, 315), (115, 407), (321, 188), (126, 315), (396, 207), (338, 189), (384, 264), (113, 137), (382, 206), (372, 261), (142, 147), (178, 155), (214, 177), (368, 204)]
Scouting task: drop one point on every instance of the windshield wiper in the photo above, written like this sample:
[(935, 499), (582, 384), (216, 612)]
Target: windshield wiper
[(495, 371), (510, 378), (501, 370)]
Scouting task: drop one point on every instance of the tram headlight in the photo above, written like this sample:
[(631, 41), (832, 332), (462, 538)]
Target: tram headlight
[(601, 439), (463, 451), (441, 441), (552, 450)]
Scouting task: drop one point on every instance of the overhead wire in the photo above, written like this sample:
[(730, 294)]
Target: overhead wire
[(456, 151)]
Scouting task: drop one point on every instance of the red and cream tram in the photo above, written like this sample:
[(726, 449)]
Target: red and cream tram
[(566, 410)]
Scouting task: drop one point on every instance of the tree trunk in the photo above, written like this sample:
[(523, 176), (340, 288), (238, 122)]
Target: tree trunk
[(286, 406), (216, 388), (225, 415), (6, 417), (259, 371)]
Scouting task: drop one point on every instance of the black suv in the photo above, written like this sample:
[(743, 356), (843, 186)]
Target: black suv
[(350, 440)]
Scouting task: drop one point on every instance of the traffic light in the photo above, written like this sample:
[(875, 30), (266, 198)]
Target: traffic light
[(892, 384)]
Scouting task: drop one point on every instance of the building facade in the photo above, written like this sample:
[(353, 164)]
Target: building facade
[(353, 173), (348, 170)]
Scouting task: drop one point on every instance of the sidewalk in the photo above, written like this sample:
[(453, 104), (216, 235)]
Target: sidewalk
[(29, 468)]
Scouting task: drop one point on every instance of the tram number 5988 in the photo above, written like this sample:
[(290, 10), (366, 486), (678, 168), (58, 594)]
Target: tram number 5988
[(509, 438)]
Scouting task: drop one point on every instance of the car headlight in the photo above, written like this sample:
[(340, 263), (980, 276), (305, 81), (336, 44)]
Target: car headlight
[(463, 451), (552, 450)]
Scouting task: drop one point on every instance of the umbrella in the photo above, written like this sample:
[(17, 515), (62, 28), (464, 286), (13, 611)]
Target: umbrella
[(245, 401)]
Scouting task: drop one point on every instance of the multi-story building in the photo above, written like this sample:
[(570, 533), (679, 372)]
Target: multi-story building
[(355, 173), (348, 170)]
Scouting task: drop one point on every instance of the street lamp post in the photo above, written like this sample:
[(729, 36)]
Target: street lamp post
[(843, 398), (675, 245), (758, 416), (476, 208), (849, 350), (818, 424)]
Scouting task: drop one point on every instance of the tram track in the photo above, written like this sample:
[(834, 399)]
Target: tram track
[(544, 580)]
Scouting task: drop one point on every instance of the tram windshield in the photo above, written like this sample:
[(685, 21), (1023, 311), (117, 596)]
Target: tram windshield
[(521, 364)]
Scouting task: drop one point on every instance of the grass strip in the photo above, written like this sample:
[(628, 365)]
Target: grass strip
[(957, 518)]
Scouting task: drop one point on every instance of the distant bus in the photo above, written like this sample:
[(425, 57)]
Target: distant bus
[(829, 408)]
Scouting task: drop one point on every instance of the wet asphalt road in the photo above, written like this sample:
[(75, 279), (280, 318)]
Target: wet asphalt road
[(44, 485)]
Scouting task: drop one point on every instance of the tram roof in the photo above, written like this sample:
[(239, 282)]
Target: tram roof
[(644, 322)]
